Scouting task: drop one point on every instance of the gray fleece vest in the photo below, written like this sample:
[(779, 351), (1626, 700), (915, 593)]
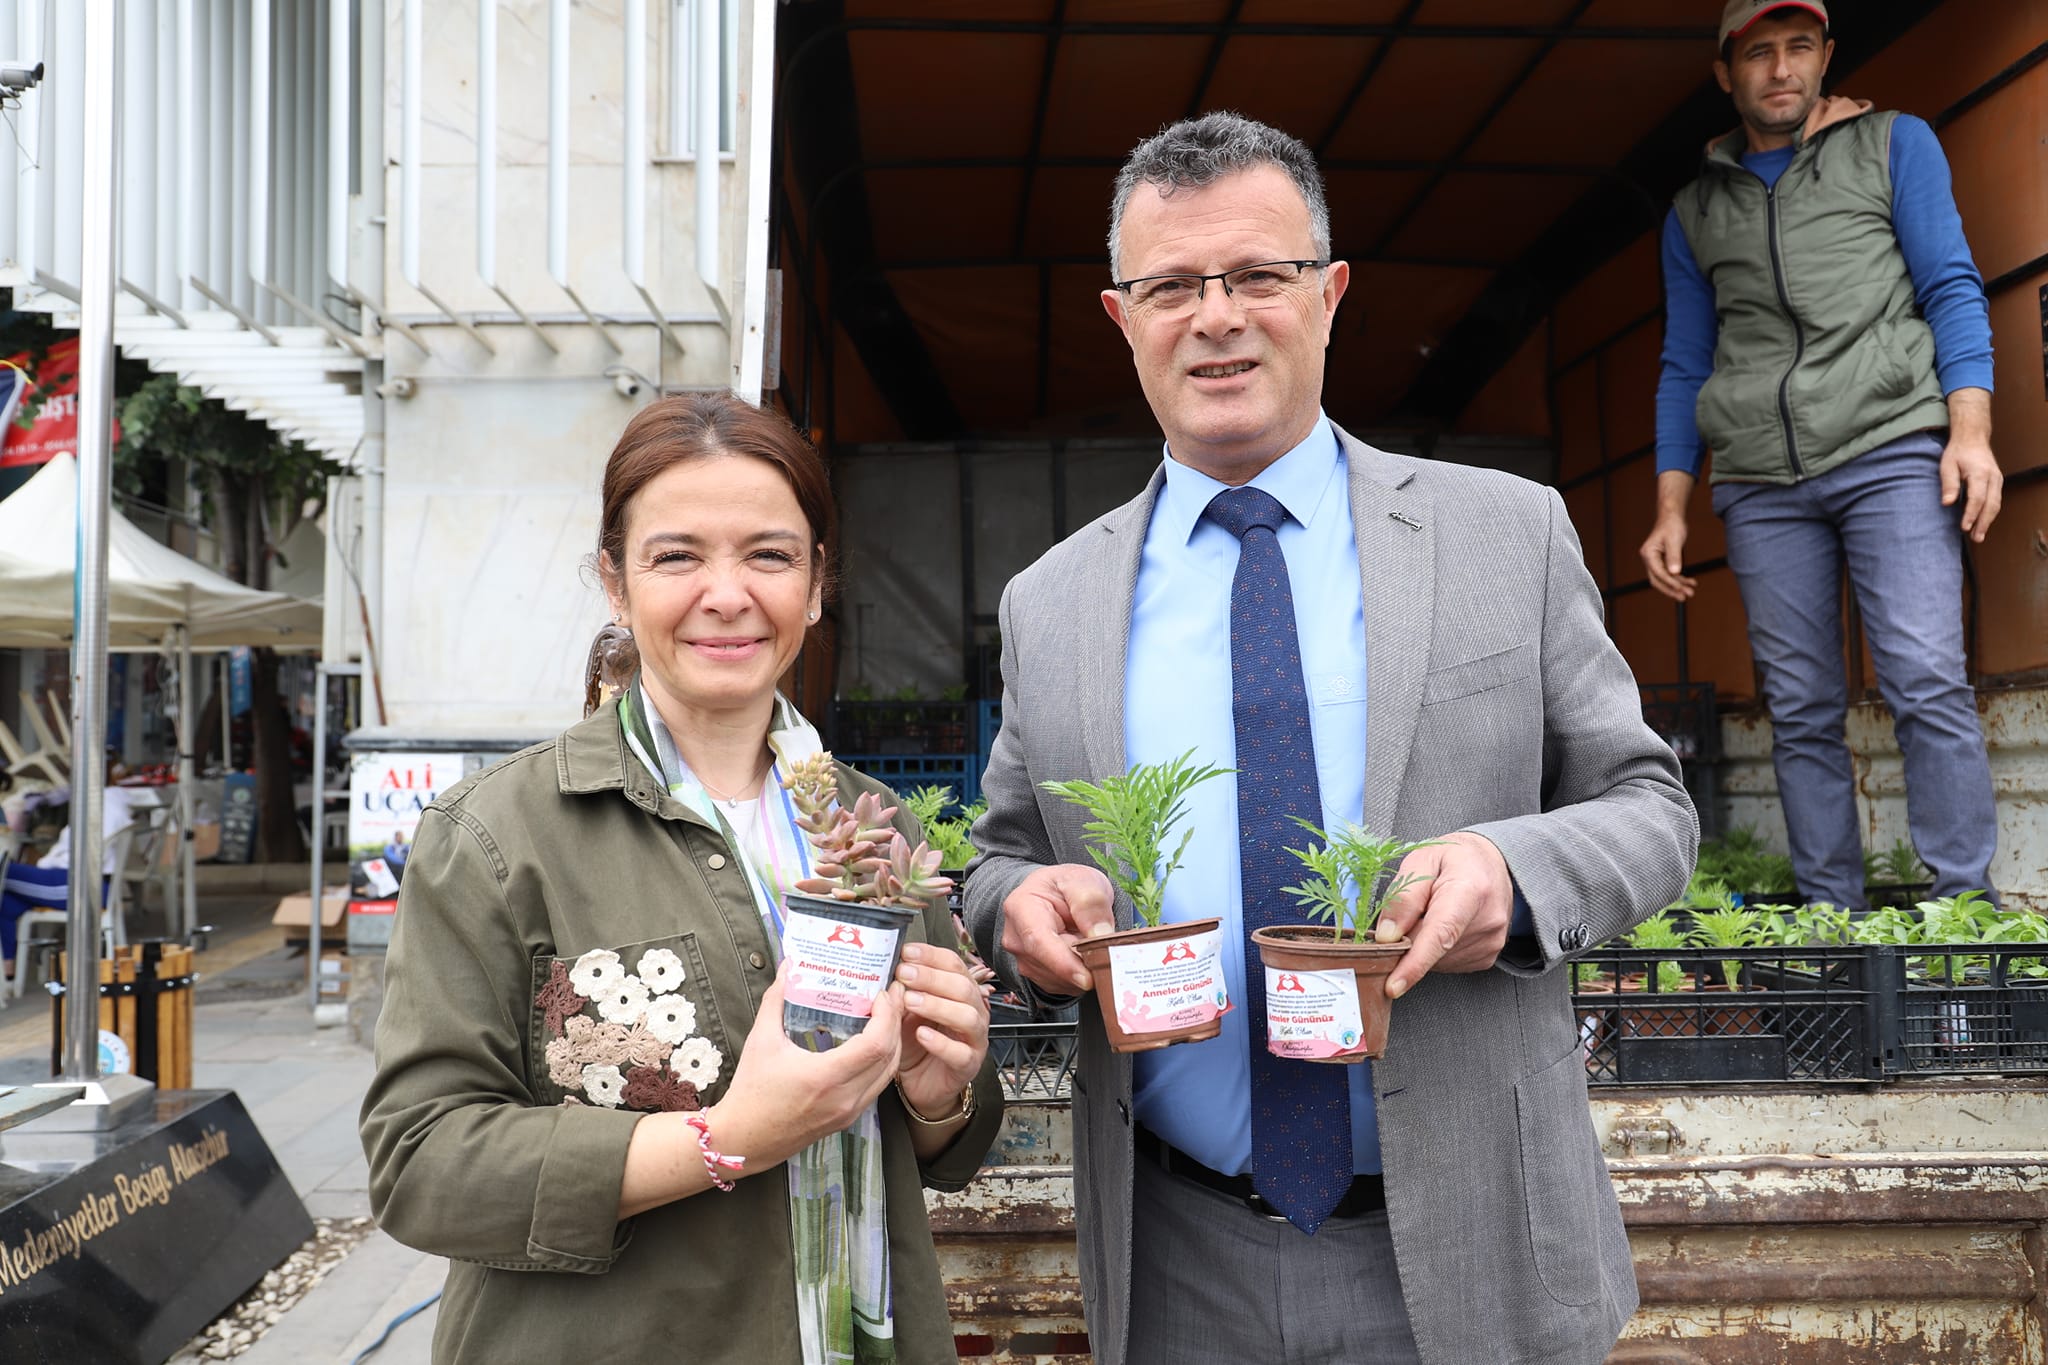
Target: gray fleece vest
[(1822, 353)]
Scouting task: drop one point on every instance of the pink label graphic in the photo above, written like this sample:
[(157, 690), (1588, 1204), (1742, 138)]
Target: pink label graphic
[(834, 965), (1168, 984), (1311, 1014)]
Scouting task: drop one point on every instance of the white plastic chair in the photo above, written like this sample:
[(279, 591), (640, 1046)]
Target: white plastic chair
[(148, 864), (47, 763), (113, 923)]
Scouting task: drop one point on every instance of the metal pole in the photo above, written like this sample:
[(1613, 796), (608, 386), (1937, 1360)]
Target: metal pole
[(227, 718), (89, 582), (188, 776), (320, 678)]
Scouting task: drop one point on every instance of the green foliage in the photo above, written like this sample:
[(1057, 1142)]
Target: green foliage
[(957, 692), (946, 835), (861, 692), (907, 692), (1740, 861), (1658, 932), (1345, 871), (165, 420), (1703, 892), (1134, 813)]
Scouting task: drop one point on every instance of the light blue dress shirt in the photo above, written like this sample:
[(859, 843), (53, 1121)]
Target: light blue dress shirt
[(1177, 697)]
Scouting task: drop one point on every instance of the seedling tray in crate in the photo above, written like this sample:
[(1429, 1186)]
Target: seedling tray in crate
[(1796, 1014), (1963, 1008)]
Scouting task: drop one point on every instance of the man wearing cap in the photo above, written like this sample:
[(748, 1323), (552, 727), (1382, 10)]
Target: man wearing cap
[(1827, 337)]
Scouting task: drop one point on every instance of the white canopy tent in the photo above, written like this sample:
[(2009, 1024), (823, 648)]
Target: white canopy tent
[(150, 587), (156, 599)]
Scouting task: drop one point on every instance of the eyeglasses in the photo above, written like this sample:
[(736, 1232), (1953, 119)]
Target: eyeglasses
[(1254, 286)]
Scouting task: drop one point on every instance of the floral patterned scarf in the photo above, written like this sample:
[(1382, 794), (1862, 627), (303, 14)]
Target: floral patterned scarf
[(837, 1201)]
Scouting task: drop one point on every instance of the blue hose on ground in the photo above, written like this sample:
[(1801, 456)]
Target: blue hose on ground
[(422, 1306)]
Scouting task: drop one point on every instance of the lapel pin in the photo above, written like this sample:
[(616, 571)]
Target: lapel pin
[(1406, 520)]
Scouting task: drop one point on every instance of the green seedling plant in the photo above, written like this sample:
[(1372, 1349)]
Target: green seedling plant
[(1966, 918), (1728, 926), (1658, 933), (2022, 926), (1345, 872), (1799, 926), (947, 835), (1134, 814), (1901, 865)]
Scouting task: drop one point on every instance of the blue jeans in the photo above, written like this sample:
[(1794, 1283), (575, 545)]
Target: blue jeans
[(24, 888), (1881, 515)]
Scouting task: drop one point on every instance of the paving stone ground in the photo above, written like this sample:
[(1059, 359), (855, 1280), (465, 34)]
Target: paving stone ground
[(253, 1033)]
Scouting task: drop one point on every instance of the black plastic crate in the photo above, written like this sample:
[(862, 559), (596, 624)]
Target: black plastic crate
[(1797, 1014), (1958, 1009), (905, 773), (1683, 715), (1035, 1061), (904, 727)]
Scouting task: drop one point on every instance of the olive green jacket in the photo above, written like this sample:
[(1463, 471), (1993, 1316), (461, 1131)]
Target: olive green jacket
[(570, 846), (1822, 353)]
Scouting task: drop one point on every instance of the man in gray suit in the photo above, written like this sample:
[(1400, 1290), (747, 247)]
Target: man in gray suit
[(1366, 638)]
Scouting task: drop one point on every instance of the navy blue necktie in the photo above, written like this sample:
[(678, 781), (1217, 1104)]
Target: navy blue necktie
[(1301, 1112)]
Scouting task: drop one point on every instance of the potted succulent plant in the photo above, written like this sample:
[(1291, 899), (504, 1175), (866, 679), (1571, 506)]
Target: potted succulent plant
[(1157, 984), (1326, 989), (843, 931)]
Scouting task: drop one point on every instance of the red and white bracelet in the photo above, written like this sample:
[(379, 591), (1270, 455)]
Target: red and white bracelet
[(714, 1160)]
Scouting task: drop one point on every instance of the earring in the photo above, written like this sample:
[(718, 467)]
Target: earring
[(814, 616)]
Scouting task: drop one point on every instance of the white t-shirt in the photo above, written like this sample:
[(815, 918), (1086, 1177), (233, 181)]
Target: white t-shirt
[(117, 812)]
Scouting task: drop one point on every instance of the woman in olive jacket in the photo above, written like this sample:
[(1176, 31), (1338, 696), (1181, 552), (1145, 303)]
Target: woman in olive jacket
[(584, 1096)]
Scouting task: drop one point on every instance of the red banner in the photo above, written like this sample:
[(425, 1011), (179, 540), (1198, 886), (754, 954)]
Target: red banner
[(55, 429)]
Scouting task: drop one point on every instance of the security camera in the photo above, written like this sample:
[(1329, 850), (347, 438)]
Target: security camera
[(403, 386), (627, 380), (16, 77)]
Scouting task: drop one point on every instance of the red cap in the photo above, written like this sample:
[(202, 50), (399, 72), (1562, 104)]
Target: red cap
[(1739, 15)]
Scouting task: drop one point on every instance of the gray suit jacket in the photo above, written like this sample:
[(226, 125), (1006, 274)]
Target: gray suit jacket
[(1495, 703)]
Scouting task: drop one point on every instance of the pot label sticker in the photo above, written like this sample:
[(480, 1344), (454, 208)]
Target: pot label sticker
[(1168, 983), (836, 966), (1312, 1014)]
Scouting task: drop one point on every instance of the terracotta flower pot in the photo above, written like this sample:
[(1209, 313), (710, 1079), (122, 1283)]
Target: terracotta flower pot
[(1326, 1001), (1158, 986), (842, 954)]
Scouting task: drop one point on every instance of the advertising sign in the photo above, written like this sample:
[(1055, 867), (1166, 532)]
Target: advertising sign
[(55, 428), (386, 794)]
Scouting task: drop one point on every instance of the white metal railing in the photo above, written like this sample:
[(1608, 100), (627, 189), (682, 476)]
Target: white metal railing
[(228, 242), (250, 260)]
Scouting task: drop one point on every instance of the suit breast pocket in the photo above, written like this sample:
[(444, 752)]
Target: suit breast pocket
[(1470, 677), (632, 1027)]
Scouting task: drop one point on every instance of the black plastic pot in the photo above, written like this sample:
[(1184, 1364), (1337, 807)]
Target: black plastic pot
[(848, 973)]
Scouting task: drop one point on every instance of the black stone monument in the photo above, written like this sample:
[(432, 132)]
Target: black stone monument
[(119, 1246)]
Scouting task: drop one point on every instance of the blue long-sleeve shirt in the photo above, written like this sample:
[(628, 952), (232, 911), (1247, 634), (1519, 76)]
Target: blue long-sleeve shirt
[(1946, 286)]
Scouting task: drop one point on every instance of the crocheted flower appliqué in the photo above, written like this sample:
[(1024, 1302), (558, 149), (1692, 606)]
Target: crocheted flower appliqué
[(624, 1001), (698, 1062), (670, 1018), (656, 1088), (596, 972), (604, 1085), (662, 970), (558, 999), (613, 1038)]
